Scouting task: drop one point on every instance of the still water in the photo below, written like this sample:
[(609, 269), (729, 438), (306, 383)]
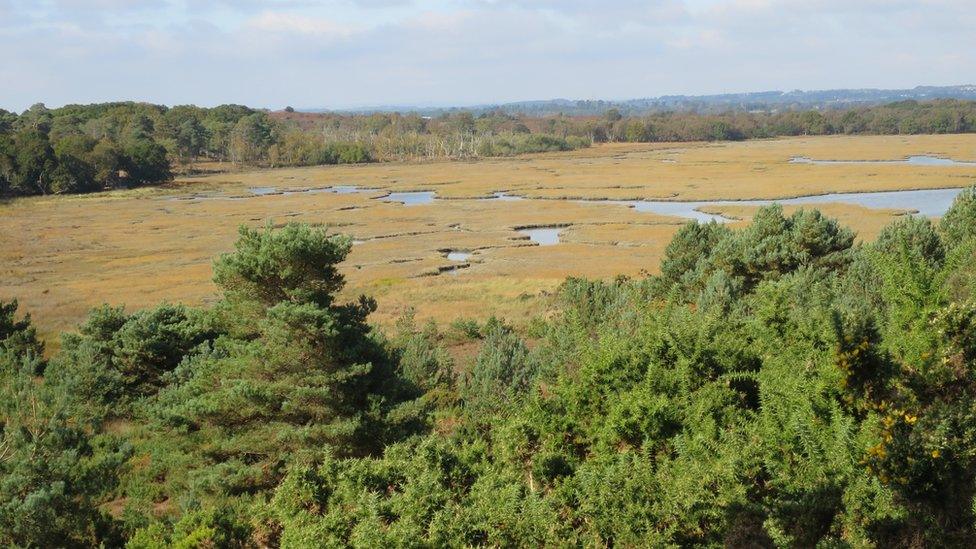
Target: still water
[(543, 236), (917, 160), (929, 202), (411, 198)]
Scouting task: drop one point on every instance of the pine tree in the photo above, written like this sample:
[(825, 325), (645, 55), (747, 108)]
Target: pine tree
[(300, 376)]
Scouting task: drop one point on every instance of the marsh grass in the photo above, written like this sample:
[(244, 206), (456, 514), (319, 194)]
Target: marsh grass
[(63, 255)]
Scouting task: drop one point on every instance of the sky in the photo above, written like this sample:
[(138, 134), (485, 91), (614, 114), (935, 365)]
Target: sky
[(356, 53)]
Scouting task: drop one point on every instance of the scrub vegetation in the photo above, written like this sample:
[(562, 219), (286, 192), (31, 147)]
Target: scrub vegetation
[(299, 368), (777, 384)]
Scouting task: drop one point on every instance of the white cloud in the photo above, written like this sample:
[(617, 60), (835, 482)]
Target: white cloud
[(277, 22), (343, 52)]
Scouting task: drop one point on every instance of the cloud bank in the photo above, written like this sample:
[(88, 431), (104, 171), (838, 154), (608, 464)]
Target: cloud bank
[(345, 53)]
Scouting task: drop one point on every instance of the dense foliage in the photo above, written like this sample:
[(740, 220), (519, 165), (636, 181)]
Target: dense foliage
[(78, 150), (493, 133), (82, 148), (777, 385)]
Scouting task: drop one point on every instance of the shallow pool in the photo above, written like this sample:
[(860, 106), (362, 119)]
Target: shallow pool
[(918, 160), (543, 236), (411, 198), (261, 191), (928, 202), (506, 197), (346, 189)]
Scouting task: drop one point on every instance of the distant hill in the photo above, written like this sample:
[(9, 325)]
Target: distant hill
[(767, 101)]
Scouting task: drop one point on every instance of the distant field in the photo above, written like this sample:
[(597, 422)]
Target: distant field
[(63, 255)]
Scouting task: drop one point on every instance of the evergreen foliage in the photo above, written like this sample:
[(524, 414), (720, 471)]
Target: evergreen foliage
[(775, 386)]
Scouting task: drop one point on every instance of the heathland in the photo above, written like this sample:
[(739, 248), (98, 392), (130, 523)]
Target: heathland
[(62, 255), (384, 330), (774, 385)]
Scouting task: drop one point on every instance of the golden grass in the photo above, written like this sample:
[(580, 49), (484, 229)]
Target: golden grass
[(63, 255), (751, 169)]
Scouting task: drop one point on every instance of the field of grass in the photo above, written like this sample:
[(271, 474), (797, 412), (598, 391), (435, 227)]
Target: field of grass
[(61, 256)]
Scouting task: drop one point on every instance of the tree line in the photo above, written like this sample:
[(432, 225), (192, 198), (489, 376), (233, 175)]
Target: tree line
[(776, 385), (84, 148), (902, 118), (60, 152), (460, 134)]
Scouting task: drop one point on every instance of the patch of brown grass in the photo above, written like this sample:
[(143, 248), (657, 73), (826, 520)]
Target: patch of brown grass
[(63, 255)]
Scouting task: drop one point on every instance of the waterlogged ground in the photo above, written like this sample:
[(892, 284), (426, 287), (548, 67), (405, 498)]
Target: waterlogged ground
[(461, 238), (917, 160), (926, 202)]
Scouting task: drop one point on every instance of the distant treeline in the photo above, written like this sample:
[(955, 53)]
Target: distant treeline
[(906, 117), (83, 148), (765, 101), (395, 136)]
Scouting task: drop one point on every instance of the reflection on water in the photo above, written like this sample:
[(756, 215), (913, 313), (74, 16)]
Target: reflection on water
[(410, 198), (337, 189), (543, 236), (268, 191), (458, 256), (918, 160), (345, 189), (260, 191), (688, 210), (929, 202)]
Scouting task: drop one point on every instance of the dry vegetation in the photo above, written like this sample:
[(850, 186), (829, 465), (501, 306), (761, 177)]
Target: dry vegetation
[(61, 256)]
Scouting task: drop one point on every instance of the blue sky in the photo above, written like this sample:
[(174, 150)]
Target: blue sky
[(348, 53)]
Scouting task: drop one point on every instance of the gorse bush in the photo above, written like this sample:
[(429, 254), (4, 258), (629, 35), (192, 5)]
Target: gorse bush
[(776, 385)]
